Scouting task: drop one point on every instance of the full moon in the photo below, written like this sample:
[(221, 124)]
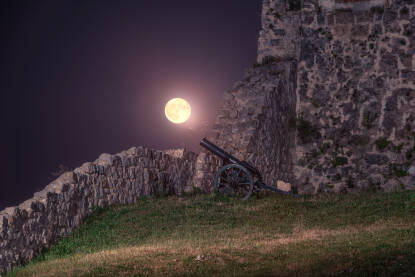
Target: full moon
[(177, 110)]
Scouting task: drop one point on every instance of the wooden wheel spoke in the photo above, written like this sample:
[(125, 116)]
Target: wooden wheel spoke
[(233, 179)]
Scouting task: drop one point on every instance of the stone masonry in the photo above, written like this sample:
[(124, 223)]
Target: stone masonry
[(256, 122), (27, 229), (328, 107), (353, 64)]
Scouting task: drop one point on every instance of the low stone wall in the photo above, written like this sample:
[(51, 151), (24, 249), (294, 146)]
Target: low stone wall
[(112, 179)]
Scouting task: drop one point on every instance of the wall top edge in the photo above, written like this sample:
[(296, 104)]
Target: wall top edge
[(356, 5)]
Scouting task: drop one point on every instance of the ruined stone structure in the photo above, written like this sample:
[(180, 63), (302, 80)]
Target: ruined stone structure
[(256, 122), (329, 106), (25, 230)]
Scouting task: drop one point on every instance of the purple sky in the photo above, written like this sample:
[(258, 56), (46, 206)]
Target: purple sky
[(80, 78)]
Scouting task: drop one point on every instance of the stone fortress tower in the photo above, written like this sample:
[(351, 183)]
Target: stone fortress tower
[(330, 104)]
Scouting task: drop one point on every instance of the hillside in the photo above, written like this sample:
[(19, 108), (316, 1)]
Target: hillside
[(204, 235)]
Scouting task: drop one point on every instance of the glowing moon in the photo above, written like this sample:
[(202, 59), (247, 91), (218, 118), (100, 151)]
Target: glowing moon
[(177, 110)]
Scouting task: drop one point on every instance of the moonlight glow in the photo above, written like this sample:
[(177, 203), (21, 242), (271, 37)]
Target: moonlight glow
[(177, 110)]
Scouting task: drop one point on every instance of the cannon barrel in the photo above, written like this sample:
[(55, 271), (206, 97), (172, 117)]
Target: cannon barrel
[(219, 151), (226, 157)]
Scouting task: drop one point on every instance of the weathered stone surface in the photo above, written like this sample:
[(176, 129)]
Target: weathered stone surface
[(355, 91), (376, 159), (112, 179), (329, 107), (283, 185), (263, 130)]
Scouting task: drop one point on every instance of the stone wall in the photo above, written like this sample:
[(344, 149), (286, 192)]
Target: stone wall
[(253, 122), (329, 106), (354, 103), (356, 94), (112, 179)]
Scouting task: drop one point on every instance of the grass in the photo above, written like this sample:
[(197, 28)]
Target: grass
[(370, 234)]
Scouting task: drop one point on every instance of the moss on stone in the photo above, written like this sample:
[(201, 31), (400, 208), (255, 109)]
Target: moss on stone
[(398, 170), (398, 148), (338, 161), (381, 144), (323, 148)]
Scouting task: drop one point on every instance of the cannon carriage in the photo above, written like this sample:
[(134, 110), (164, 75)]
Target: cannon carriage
[(235, 177)]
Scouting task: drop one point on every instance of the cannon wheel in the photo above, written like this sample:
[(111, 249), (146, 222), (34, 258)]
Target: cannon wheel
[(234, 179)]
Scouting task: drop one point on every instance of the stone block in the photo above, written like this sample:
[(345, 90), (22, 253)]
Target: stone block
[(376, 159), (86, 168), (364, 16), (360, 30), (344, 17), (283, 185), (104, 159)]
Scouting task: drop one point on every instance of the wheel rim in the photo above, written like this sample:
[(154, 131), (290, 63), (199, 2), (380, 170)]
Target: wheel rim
[(234, 180)]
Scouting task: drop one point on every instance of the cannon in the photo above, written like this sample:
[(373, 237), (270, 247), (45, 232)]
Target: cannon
[(235, 177)]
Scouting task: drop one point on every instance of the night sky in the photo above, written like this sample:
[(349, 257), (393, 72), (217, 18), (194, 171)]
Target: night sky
[(81, 78)]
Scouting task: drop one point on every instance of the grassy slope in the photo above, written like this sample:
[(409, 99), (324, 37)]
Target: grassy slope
[(367, 234)]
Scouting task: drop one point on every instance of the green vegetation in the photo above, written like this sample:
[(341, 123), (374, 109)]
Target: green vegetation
[(398, 148), (398, 170), (323, 148), (381, 144), (338, 161), (368, 234)]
